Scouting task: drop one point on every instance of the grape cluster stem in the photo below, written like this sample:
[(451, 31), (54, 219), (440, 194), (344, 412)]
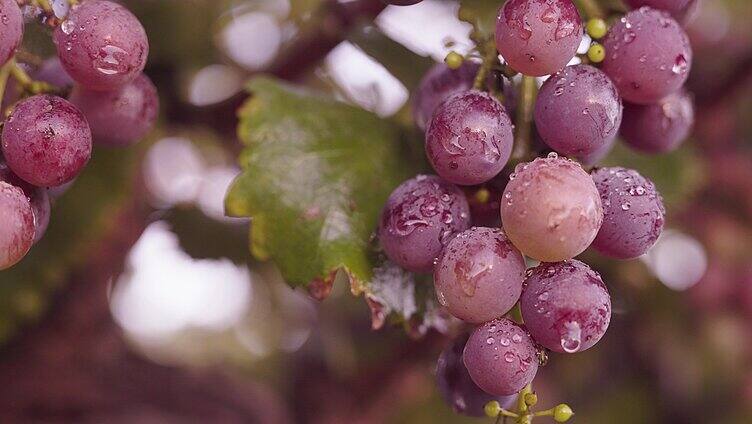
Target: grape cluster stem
[(524, 119), (592, 9)]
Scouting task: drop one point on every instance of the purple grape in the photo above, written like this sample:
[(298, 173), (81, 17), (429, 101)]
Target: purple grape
[(660, 127), (469, 138), (456, 386), (38, 198), (501, 357), (566, 306), (538, 37), (16, 225), (11, 29), (101, 45), (437, 84), (598, 155), (551, 209), (479, 275), (578, 111), (648, 55), (52, 72), (46, 141), (119, 117), (679, 9), (633, 213), (419, 218)]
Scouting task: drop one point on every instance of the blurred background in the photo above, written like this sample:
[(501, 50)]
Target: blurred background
[(142, 304)]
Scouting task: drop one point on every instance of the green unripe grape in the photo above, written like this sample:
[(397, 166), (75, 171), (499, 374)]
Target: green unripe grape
[(562, 413), (531, 399), (596, 53), (492, 409), (596, 28), (454, 60)]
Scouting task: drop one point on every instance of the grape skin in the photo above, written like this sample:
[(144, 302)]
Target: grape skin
[(648, 55), (52, 71), (633, 213), (479, 275), (38, 198), (551, 209), (679, 9), (419, 218), (469, 139), (500, 357), (565, 306), (16, 225), (660, 127), (578, 111), (11, 29), (436, 85), (119, 117), (101, 45), (46, 141), (457, 388), (538, 37)]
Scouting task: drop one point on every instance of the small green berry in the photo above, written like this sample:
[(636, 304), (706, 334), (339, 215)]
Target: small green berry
[(492, 409), (531, 399), (454, 60), (483, 195), (596, 53), (562, 413), (596, 28)]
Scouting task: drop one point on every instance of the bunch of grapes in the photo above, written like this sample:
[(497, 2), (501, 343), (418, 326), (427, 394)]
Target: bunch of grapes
[(47, 132), (552, 203)]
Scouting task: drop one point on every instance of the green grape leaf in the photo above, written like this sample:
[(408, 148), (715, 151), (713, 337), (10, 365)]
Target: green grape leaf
[(79, 218), (316, 173)]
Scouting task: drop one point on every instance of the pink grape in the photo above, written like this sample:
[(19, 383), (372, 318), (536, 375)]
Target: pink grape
[(479, 275), (38, 198), (456, 386), (538, 37), (566, 306), (436, 85), (501, 357), (578, 111), (101, 45), (659, 127), (633, 213), (16, 225), (469, 138), (11, 29), (551, 209), (680, 9), (46, 141), (52, 71), (419, 218), (122, 116), (648, 55)]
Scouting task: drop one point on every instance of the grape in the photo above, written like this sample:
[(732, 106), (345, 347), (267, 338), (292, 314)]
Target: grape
[(46, 141), (402, 2), (578, 111), (101, 45), (469, 138), (538, 37), (500, 357), (680, 9), (648, 55), (660, 127), (122, 116), (419, 218), (38, 198), (566, 306), (633, 213), (16, 225), (456, 386), (437, 84), (11, 29), (551, 209), (52, 72), (479, 275)]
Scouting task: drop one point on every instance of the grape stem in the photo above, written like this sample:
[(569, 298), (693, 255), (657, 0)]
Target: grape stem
[(490, 59), (592, 9), (44, 4), (4, 74), (29, 85), (522, 145)]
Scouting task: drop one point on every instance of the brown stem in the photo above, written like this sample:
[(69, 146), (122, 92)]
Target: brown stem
[(524, 121)]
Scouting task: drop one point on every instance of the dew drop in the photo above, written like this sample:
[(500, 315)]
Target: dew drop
[(571, 340)]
